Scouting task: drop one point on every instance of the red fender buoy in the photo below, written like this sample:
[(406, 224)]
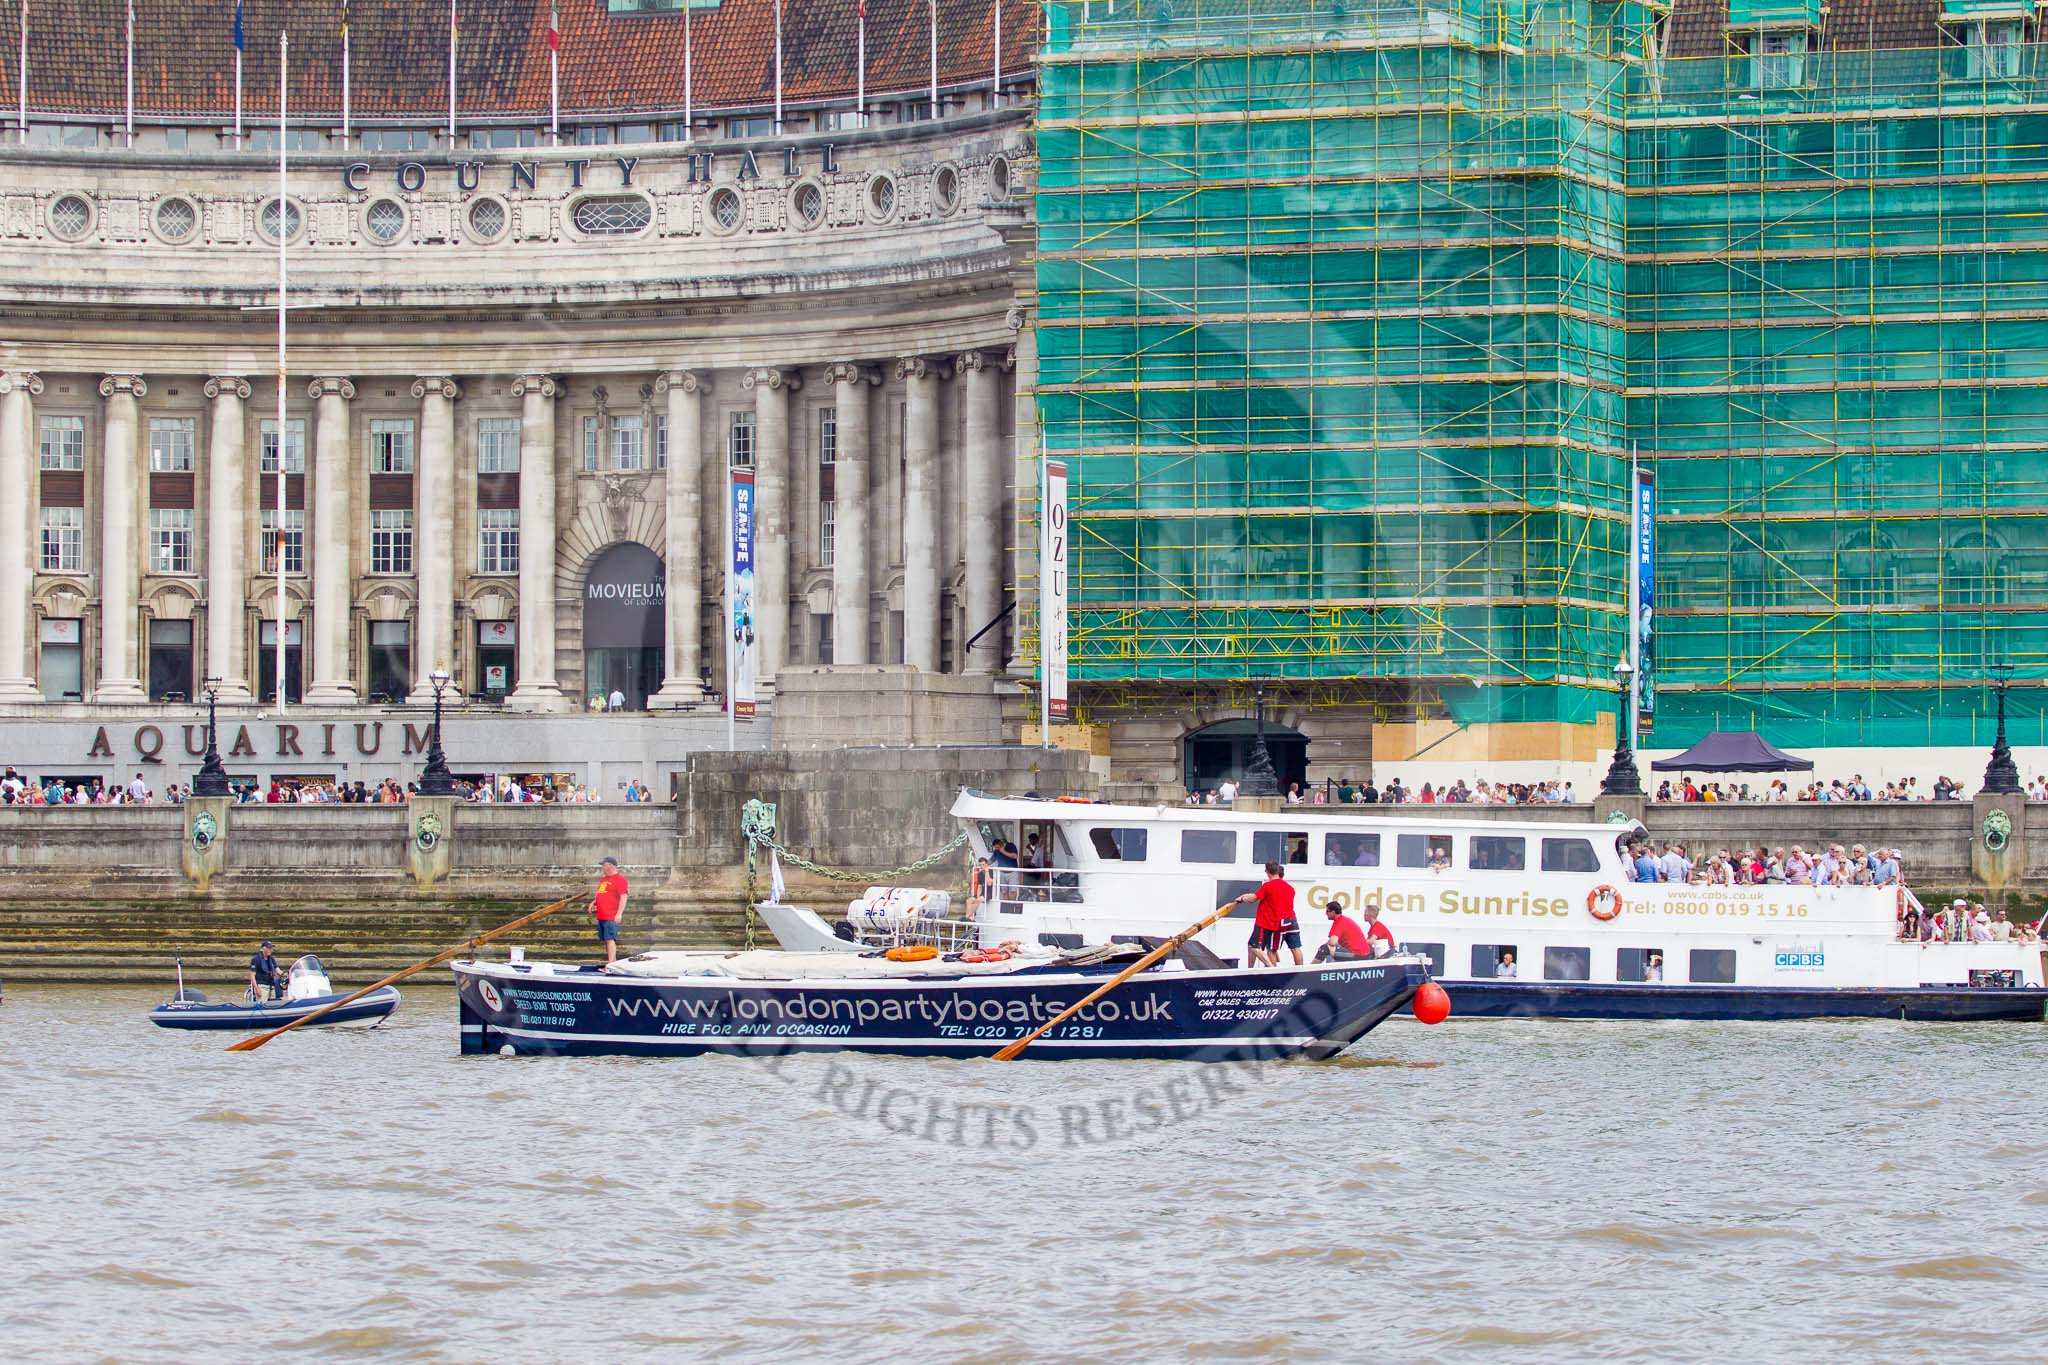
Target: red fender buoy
[(1432, 1003)]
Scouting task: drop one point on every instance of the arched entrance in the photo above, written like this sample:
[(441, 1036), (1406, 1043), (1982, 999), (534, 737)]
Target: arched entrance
[(1214, 752), (625, 624)]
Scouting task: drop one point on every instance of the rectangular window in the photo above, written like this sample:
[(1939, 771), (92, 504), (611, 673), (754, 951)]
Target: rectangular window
[(1569, 855), (263, 138), (636, 132), (1208, 846), (827, 524), (593, 436), (739, 440), (1279, 846), (821, 631), (760, 125), (1433, 951), (1995, 48), (170, 660), (294, 540), (828, 436), (294, 445), (1639, 964), (1351, 850), (63, 540), (594, 135), (497, 541), (505, 137), (840, 120), (1490, 960), (627, 449), (661, 440), (1779, 59), (1229, 890), (1498, 853), (1422, 850), (61, 442), (396, 139), (390, 660), (1567, 964), (497, 445), (391, 445), (1117, 844), (170, 445), (391, 542), (170, 540), (63, 662), (1713, 966)]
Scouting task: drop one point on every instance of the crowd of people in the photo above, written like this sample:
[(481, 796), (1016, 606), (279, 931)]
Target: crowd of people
[(1762, 866), (1346, 792), (1962, 921), (1854, 789), (16, 790)]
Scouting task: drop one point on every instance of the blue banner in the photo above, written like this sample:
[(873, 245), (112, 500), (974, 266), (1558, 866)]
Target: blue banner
[(1642, 607), (739, 599)]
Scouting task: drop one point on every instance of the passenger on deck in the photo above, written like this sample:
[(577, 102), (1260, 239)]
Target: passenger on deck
[(266, 974), (2001, 929), (1980, 928), (1674, 865), (980, 882), (1504, 966), (1646, 868), (1653, 968)]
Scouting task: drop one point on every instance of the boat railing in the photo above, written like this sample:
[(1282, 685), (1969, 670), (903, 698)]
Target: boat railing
[(1017, 886)]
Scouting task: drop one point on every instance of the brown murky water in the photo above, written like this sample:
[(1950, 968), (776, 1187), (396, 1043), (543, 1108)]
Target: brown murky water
[(1481, 1191)]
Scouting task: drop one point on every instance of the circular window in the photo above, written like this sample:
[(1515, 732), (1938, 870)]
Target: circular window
[(615, 215), (881, 196), (999, 177), (70, 216), (267, 220), (725, 209), (487, 219), (807, 202), (946, 189), (385, 220), (177, 220)]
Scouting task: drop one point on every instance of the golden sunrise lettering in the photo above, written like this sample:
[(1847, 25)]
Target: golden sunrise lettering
[(1445, 900)]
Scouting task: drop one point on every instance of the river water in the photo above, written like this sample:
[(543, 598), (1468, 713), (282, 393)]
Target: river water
[(1478, 1191)]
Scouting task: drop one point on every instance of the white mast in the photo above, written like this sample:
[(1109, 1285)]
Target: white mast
[(283, 232)]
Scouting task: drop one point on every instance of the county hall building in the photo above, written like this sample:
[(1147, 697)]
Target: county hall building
[(522, 358)]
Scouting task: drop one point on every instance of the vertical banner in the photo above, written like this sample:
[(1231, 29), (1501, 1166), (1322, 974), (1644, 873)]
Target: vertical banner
[(739, 596), (1642, 601), (1052, 604)]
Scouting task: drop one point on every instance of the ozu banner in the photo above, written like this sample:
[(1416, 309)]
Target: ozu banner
[(1052, 607), (1643, 595), (739, 594)]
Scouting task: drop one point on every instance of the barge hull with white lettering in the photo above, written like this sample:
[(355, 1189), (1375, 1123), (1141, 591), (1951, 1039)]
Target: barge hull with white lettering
[(1599, 1000), (1233, 1014)]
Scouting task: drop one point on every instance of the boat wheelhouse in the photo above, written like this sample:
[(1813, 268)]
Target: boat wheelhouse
[(1532, 914)]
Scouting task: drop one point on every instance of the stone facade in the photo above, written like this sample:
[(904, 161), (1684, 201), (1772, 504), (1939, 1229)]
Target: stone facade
[(503, 365)]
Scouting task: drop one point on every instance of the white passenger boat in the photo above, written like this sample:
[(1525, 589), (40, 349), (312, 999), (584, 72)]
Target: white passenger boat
[(1527, 917)]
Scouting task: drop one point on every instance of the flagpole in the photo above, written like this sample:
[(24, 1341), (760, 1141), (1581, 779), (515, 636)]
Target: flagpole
[(453, 26), (131, 74), (778, 66), (554, 77), (238, 95), (687, 110), (344, 74), (860, 86), (283, 234), (935, 57), (21, 83), (995, 89)]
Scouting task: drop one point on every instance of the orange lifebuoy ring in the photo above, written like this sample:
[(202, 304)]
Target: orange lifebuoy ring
[(1603, 895), (916, 952)]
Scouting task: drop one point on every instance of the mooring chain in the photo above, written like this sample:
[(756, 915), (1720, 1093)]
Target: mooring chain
[(757, 824)]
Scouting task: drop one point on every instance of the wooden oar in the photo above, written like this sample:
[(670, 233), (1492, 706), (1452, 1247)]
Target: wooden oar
[(251, 1044), (1009, 1051)]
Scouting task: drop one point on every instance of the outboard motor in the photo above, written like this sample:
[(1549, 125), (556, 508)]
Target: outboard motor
[(308, 980)]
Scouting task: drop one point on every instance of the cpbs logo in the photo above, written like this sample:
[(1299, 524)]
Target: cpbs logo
[(489, 995)]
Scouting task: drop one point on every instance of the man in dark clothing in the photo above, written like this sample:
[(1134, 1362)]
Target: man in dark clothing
[(266, 975)]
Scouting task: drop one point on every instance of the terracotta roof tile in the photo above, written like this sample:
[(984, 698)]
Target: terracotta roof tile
[(611, 63), (1699, 27)]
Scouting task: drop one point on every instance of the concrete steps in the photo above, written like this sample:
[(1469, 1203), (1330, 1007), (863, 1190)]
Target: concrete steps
[(108, 943)]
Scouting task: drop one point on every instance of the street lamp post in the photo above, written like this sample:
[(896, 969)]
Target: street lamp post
[(2002, 776), (1259, 777), (213, 775), (1622, 778), (436, 780)]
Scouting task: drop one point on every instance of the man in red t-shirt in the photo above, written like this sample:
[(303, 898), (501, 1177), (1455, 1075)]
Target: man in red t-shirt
[(1274, 922), (1346, 941), (608, 905)]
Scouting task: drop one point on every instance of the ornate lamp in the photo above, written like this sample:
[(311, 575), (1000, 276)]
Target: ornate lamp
[(2002, 776), (1622, 777), (213, 775), (1259, 777), (436, 780)]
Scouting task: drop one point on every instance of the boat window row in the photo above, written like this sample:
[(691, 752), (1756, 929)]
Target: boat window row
[(1561, 962), (1422, 850)]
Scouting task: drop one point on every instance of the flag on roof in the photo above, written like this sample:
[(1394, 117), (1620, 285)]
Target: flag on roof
[(238, 25), (554, 29)]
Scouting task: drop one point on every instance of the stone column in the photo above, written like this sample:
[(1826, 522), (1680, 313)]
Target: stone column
[(852, 549), (226, 455), (537, 689), (433, 536), (982, 471), (684, 557), (120, 479), (771, 388), (332, 513), (18, 533), (921, 512)]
